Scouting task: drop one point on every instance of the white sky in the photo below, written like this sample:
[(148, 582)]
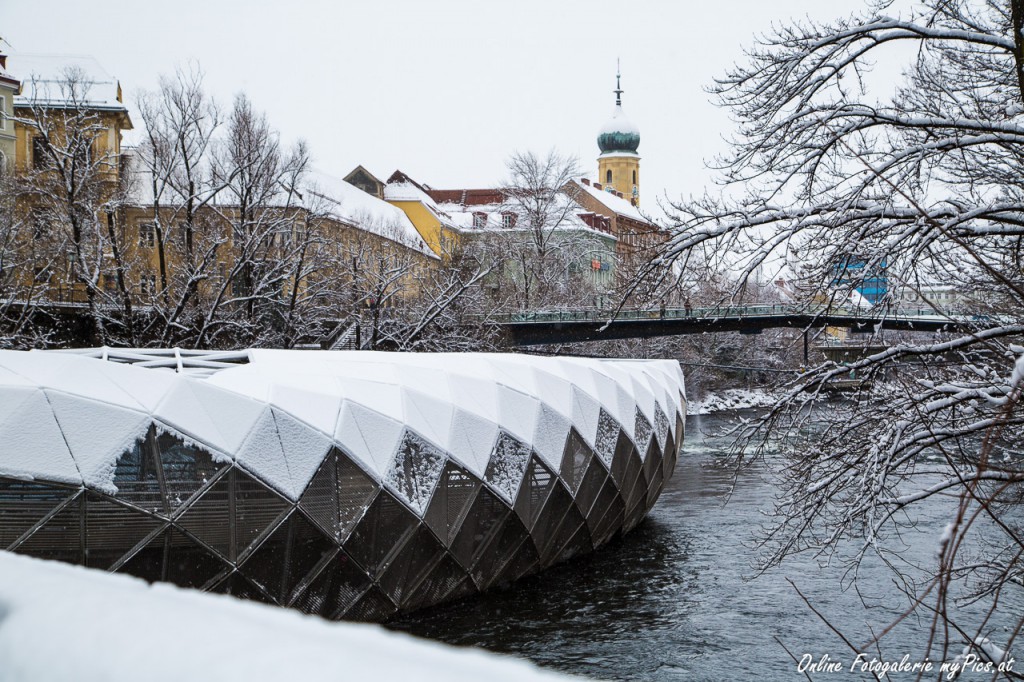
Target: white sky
[(443, 89)]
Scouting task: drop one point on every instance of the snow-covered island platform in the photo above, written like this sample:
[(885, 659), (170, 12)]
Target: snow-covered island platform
[(61, 622), (346, 484)]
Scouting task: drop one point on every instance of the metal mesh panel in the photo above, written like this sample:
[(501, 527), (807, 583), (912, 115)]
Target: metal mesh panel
[(415, 470), (591, 486), (605, 499), (189, 564), (575, 458), (482, 522), (24, 504), (60, 538), (578, 544), (525, 560), (443, 581), (611, 522), (507, 466), (239, 587), (668, 462), (633, 486), (499, 552), (572, 520), (454, 494), (112, 529), (148, 562), (257, 510), (654, 488), (186, 469), (382, 531), (652, 462), (137, 477), (411, 565), (208, 518), (373, 606), (534, 492), (286, 557), (355, 492), (623, 450), (320, 498), (550, 518), (338, 586)]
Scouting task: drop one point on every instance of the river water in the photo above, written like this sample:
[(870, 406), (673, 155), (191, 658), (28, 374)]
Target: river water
[(676, 598)]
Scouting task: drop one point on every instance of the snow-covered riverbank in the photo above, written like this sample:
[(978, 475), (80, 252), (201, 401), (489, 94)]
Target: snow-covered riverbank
[(730, 399), (61, 622)]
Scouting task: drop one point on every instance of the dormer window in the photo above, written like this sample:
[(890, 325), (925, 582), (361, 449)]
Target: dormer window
[(508, 220), (479, 220)]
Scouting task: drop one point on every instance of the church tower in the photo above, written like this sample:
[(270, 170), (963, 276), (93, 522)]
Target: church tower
[(618, 166)]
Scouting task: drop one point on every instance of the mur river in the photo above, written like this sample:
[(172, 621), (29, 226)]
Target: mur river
[(674, 599)]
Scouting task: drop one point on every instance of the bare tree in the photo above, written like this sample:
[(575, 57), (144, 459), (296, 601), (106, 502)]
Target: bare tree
[(854, 185)]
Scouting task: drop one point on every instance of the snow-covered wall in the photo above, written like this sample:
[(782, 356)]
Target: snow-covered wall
[(60, 622)]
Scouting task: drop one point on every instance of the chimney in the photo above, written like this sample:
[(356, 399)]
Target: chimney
[(619, 194), (597, 185), (3, 61), (586, 181)]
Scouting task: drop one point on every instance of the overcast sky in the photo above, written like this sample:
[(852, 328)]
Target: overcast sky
[(443, 89)]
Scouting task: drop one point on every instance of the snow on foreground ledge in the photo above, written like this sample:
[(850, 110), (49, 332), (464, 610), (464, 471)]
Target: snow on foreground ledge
[(62, 622)]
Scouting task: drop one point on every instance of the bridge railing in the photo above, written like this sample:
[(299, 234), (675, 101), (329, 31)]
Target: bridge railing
[(764, 310)]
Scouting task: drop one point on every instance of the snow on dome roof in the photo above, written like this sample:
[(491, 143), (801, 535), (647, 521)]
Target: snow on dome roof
[(74, 415), (619, 134)]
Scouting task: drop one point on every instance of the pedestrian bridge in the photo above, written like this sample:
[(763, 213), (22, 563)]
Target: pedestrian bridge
[(567, 326)]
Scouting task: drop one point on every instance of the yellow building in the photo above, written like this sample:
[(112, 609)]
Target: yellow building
[(618, 166), (9, 87)]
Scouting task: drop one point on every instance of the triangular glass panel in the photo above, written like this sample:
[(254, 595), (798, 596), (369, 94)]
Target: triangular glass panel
[(633, 486), (507, 465), (654, 489), (137, 477), (481, 524), (578, 544), (381, 533), (623, 450), (355, 493), (61, 537), (455, 492), (534, 492), (609, 493), (320, 499), (258, 510), (607, 437), (661, 425), (524, 561), (405, 572), (148, 562), (652, 462), (23, 504), (643, 431), (575, 458), (414, 471), (208, 517), (335, 589), (112, 530), (186, 469), (610, 523)]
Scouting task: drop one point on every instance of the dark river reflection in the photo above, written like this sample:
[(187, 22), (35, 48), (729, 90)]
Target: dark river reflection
[(674, 599)]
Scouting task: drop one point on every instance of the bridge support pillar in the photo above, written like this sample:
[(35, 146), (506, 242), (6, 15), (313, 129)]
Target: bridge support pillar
[(805, 349)]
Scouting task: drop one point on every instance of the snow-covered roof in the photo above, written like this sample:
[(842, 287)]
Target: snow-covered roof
[(464, 217), (407, 191), (351, 205), (66, 622), (613, 202), (44, 81), (68, 418)]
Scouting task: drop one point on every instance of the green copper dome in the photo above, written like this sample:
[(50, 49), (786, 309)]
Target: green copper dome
[(618, 134)]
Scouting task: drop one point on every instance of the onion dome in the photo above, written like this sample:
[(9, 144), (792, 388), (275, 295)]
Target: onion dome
[(618, 134)]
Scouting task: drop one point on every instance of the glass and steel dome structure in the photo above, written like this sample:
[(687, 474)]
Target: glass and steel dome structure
[(346, 484)]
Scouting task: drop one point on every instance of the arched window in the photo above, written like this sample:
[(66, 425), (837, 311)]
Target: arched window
[(608, 178), (634, 177)]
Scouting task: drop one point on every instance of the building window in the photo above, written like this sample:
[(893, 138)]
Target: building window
[(508, 220), (608, 177), (40, 153), (147, 235), (147, 285), (479, 220), (3, 112), (634, 178)]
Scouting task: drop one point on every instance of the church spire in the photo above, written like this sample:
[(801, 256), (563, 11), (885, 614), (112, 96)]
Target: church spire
[(618, 84)]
